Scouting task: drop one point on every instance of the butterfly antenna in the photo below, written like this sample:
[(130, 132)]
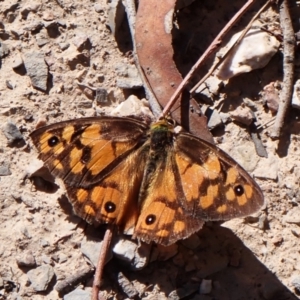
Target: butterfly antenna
[(101, 262)]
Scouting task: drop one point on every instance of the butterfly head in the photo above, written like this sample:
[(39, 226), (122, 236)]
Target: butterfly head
[(163, 125)]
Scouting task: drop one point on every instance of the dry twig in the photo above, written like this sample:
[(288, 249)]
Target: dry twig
[(73, 280), (288, 67), (101, 262)]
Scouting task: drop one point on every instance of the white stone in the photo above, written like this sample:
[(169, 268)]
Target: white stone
[(132, 106), (296, 95), (125, 250), (253, 52)]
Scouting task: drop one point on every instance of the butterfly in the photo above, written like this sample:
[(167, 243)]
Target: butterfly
[(152, 180)]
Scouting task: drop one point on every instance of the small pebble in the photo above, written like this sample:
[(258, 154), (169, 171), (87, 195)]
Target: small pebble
[(277, 240), (17, 61), (44, 243), (253, 52), (127, 286), (64, 46), (4, 169), (293, 216), (25, 232), (101, 95), (125, 249), (78, 294), (48, 16), (36, 69), (296, 283), (63, 258), (243, 115), (46, 259), (91, 249), (296, 95), (41, 277), (80, 40), (205, 286), (271, 97), (12, 132), (26, 260), (4, 50), (98, 8)]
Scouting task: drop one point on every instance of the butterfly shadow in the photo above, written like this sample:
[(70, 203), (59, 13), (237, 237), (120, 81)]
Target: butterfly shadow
[(221, 259)]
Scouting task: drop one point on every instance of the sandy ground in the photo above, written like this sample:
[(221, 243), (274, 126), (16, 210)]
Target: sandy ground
[(256, 258)]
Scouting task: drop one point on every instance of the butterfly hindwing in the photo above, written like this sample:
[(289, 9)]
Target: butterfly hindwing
[(162, 218), (214, 185)]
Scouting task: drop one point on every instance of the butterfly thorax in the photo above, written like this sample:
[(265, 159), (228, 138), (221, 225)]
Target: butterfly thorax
[(161, 136)]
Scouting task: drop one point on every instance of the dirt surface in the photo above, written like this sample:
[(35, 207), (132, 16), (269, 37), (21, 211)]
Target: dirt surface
[(256, 258)]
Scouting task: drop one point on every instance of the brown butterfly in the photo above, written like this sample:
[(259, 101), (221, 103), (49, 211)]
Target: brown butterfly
[(153, 181)]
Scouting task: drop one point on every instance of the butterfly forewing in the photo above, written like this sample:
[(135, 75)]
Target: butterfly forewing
[(214, 185), (82, 151)]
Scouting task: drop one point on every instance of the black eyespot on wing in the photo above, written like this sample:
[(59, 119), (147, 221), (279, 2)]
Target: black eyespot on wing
[(239, 190), (53, 141), (150, 219), (110, 206), (86, 155)]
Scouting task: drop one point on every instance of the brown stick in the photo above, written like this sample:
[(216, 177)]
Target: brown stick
[(205, 55), (101, 262), (288, 68)]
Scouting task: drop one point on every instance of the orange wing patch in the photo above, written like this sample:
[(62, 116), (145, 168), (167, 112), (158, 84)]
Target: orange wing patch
[(75, 164), (212, 166), (231, 175), (193, 178), (189, 173), (82, 195), (67, 133), (209, 199)]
